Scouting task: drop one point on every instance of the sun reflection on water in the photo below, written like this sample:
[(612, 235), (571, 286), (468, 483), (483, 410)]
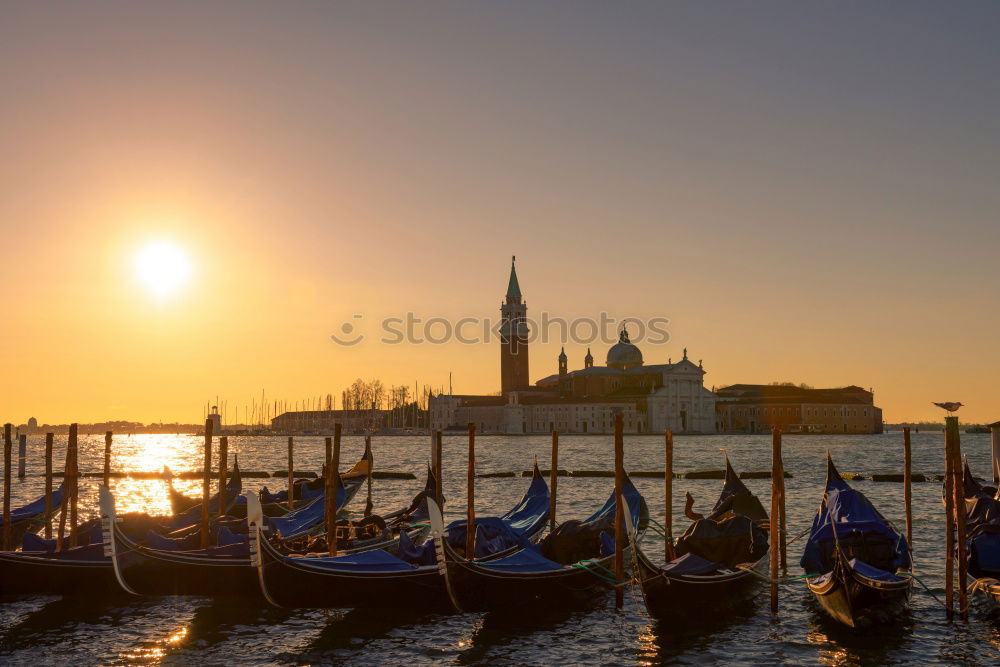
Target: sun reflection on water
[(154, 652), (149, 453)]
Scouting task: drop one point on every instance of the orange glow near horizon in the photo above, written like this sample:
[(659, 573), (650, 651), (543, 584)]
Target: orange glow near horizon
[(186, 223)]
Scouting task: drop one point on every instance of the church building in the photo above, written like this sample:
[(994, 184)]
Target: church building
[(651, 398)]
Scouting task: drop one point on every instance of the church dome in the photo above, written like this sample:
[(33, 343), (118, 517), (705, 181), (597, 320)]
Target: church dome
[(624, 354)]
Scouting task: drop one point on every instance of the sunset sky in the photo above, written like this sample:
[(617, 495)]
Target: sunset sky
[(808, 191)]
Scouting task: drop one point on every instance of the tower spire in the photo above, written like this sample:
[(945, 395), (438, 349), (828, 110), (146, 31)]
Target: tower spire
[(513, 288)]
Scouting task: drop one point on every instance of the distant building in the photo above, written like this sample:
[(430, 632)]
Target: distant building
[(32, 424), (322, 421), (757, 408), (216, 420), (650, 398)]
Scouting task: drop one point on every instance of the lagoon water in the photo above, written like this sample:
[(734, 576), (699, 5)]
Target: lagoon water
[(179, 630)]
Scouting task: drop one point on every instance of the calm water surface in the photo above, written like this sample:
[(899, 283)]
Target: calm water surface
[(121, 629)]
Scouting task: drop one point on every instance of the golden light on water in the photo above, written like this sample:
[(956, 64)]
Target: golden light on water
[(149, 453), (163, 267)]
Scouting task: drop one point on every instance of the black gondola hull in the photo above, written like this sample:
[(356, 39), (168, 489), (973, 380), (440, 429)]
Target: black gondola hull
[(479, 588), (293, 583), (857, 601), (146, 571), (22, 573), (679, 598)]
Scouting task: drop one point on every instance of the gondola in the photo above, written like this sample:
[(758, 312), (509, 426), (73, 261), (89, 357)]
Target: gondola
[(32, 516), (380, 579), (854, 558), (187, 511), (308, 489), (73, 570), (223, 570), (718, 560), (982, 526), (38, 568), (570, 566)]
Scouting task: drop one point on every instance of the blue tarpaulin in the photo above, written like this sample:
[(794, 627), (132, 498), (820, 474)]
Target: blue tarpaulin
[(302, 519), (493, 534), (845, 511), (632, 497), (376, 560), (872, 572), (690, 563), (524, 560), (34, 508)]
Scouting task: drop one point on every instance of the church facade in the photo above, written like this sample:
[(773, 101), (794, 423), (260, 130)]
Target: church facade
[(651, 398)]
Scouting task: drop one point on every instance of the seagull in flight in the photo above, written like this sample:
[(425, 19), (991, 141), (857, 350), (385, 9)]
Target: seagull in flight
[(950, 407)]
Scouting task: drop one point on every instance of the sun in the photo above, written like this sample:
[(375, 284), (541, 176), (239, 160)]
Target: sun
[(163, 267)]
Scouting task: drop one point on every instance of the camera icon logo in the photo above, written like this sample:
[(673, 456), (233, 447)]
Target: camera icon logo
[(349, 334)]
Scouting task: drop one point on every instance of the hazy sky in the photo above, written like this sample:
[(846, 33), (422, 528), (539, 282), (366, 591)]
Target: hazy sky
[(807, 190)]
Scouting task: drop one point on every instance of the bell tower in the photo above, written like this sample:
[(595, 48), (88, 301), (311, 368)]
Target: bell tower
[(513, 337)]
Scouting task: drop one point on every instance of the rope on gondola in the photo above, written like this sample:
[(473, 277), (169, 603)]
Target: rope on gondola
[(586, 564), (799, 536), (920, 581), (781, 581)]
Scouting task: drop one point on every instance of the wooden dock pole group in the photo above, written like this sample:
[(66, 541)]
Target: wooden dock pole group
[(953, 450), (206, 485), (67, 505)]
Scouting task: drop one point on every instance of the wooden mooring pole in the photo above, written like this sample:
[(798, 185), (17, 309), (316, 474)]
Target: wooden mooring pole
[(67, 486), (107, 459), (776, 478), (7, 528), (368, 480), (291, 474), (206, 485), (223, 473), (782, 526), (668, 495), (995, 449), (907, 486), (438, 470), (74, 488), (553, 480), (22, 456), (959, 490), (949, 527), (49, 437), (333, 486), (327, 485), (470, 520), (619, 511)]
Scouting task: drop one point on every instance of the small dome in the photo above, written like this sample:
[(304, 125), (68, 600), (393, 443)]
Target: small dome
[(624, 354)]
